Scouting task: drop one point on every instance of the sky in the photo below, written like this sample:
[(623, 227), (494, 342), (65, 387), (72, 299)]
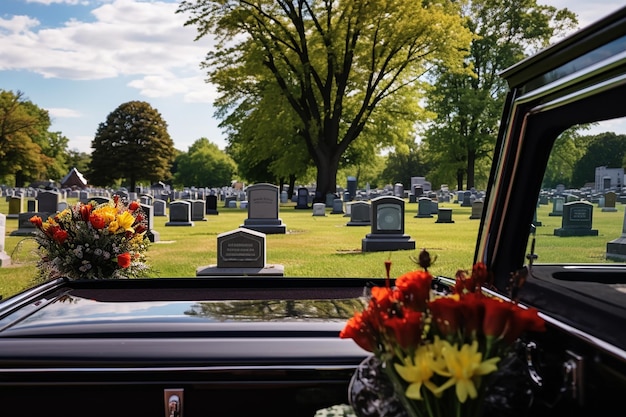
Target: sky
[(81, 59)]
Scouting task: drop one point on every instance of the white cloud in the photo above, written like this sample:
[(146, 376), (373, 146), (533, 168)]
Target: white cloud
[(63, 112)]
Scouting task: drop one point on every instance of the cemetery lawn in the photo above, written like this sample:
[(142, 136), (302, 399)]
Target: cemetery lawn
[(324, 246)]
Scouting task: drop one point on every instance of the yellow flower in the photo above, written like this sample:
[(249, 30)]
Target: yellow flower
[(108, 213), (462, 366), (125, 221), (417, 371)]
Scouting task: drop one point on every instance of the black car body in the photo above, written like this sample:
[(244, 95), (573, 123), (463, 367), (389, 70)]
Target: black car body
[(270, 346)]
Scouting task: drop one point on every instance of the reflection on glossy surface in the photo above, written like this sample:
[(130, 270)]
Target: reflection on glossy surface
[(68, 310)]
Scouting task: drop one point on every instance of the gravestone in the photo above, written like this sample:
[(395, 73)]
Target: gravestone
[(467, 199), (146, 199), (424, 208), (359, 214), (444, 215), (5, 259), (616, 248), (398, 190), (387, 221), (263, 209), (610, 199), (16, 206), (211, 205), (302, 201), (24, 225), (198, 208), (577, 220), (284, 197), (351, 187), (330, 198), (337, 206), (180, 213), (159, 207), (557, 206), (228, 200), (148, 211), (477, 209), (319, 209), (241, 252), (31, 205)]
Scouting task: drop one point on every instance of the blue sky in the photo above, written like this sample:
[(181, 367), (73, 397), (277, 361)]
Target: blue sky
[(81, 59)]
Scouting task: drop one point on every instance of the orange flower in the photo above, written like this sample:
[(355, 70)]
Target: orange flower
[(85, 211), (123, 260), (37, 221)]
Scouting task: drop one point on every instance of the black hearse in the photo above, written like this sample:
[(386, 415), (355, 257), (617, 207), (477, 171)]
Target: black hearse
[(270, 346)]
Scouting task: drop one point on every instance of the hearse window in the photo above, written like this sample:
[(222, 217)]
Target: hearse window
[(580, 215)]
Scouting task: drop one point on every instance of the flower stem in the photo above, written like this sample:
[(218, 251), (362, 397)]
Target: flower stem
[(398, 388)]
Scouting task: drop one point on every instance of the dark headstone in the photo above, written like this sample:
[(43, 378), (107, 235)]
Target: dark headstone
[(387, 232), (359, 214), (577, 220), (211, 204), (302, 201), (180, 213), (263, 209)]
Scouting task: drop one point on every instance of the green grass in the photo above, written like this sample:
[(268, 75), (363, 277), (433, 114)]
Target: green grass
[(316, 246)]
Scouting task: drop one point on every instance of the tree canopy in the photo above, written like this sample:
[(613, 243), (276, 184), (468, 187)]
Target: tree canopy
[(23, 131), (131, 145), (468, 106), (606, 149), (338, 65), (204, 165)]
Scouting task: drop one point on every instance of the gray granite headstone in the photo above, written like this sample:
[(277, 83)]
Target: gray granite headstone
[(24, 226), (616, 248), (444, 215), (302, 201), (424, 208), (577, 220), (198, 209), (319, 209), (263, 209), (159, 207), (152, 234), (359, 214), (5, 259), (557, 206), (241, 252), (477, 209), (337, 206), (180, 213)]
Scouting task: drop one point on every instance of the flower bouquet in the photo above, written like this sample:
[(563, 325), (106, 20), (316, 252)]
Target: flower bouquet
[(93, 241), (437, 349)]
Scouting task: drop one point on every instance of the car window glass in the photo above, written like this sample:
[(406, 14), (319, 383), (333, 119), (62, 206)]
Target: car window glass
[(580, 213)]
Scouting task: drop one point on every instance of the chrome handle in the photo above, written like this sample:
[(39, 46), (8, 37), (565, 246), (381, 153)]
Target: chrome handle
[(173, 402)]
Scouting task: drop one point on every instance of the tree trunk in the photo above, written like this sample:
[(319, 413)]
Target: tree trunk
[(292, 185), (471, 165), (459, 179), (327, 167)]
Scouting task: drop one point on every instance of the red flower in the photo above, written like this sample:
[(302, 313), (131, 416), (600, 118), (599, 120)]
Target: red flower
[(497, 315), (133, 206), (447, 314), (407, 330), (473, 312), (123, 260), (360, 331), (414, 289), (522, 320), (97, 221), (59, 236)]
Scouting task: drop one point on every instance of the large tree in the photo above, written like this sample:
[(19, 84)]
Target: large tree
[(204, 165), (336, 62), (23, 125), (132, 145), (469, 107), (606, 149)]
